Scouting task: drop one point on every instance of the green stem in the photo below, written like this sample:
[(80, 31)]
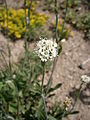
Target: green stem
[(9, 51), (56, 12), (29, 10), (55, 60), (26, 42), (79, 91), (66, 10), (18, 107), (25, 1), (44, 102), (50, 78), (43, 75), (7, 107), (43, 97), (7, 16)]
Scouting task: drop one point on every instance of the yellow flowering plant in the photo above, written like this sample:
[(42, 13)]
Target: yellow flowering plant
[(16, 22)]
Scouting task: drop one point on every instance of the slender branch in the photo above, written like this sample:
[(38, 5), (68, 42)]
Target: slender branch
[(50, 78), (7, 107), (7, 16), (43, 97), (26, 42), (43, 74), (9, 55), (76, 97), (18, 99), (9, 51), (66, 10), (29, 10), (56, 59), (56, 12), (44, 102), (25, 1)]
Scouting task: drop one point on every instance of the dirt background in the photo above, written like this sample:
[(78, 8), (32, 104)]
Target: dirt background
[(76, 50)]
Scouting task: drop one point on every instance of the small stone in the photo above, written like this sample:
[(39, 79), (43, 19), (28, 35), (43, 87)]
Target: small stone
[(57, 76), (77, 86)]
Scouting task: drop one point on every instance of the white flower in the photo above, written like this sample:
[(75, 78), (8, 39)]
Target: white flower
[(8, 81), (63, 40), (14, 76), (46, 49), (85, 78)]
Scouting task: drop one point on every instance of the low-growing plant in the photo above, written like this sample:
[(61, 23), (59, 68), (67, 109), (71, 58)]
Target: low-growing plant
[(49, 5), (76, 17), (71, 3)]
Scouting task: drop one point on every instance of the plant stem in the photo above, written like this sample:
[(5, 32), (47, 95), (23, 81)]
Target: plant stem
[(43, 74), (76, 97), (66, 10), (56, 12), (10, 65), (9, 51), (7, 16), (50, 78), (7, 107), (18, 107), (55, 60), (43, 97), (26, 42), (44, 102), (29, 10), (25, 1)]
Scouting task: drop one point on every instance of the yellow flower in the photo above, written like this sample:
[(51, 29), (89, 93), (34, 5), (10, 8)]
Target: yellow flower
[(67, 103), (17, 23), (2, 24), (17, 35)]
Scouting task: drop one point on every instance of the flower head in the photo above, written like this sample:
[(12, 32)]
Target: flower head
[(85, 78), (46, 49), (67, 103)]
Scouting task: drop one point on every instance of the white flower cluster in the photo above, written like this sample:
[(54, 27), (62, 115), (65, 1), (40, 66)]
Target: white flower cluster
[(85, 78), (46, 49)]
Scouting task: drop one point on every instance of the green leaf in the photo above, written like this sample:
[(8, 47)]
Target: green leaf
[(60, 49), (51, 95), (10, 84), (51, 118), (8, 117), (74, 112), (55, 88), (1, 85), (63, 35), (13, 107)]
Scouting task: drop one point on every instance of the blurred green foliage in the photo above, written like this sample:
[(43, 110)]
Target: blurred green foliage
[(78, 16)]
